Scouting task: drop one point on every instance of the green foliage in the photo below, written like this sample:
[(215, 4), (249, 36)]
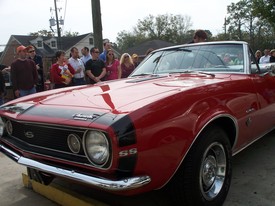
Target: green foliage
[(243, 24), (70, 34), (167, 27), (265, 9), (43, 33)]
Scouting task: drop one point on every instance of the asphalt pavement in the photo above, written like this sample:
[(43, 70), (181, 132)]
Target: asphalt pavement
[(253, 182)]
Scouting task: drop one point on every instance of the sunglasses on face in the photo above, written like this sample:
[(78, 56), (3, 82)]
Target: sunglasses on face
[(31, 51), (96, 52)]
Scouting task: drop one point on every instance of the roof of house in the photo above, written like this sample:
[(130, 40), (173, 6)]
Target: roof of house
[(66, 42), (143, 47)]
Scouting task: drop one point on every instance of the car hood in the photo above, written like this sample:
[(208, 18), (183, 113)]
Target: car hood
[(115, 96)]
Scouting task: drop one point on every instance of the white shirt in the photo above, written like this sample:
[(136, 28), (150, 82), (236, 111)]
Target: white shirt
[(86, 58), (264, 59), (76, 64)]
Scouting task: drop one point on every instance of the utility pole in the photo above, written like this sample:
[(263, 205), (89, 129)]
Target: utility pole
[(97, 25), (58, 28)]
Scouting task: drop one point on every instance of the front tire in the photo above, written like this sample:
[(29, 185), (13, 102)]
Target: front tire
[(204, 177)]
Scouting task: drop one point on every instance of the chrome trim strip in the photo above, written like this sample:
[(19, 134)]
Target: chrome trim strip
[(106, 184)]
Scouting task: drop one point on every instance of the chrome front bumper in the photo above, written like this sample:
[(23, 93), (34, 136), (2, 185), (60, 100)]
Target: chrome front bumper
[(111, 185)]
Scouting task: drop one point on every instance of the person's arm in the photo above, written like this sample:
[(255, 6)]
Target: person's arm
[(57, 79), (119, 71), (103, 73), (34, 72), (71, 69)]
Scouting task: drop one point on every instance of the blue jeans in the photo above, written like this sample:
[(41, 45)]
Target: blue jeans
[(78, 81), (23, 93)]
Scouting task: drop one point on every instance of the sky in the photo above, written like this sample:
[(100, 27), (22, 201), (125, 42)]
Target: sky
[(23, 17)]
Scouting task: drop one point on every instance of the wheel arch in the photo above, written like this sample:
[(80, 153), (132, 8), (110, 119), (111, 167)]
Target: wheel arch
[(225, 121), (228, 124)]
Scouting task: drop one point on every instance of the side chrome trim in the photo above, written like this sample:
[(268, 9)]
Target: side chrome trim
[(106, 184)]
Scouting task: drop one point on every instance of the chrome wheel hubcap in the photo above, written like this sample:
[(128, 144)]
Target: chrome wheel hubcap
[(213, 170)]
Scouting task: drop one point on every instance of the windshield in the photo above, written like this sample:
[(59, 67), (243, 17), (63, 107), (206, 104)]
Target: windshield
[(206, 58)]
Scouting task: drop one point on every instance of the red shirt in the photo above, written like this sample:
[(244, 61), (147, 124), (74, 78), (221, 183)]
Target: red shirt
[(23, 74), (56, 73)]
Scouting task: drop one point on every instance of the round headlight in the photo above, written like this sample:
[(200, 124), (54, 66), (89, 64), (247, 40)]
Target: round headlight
[(2, 126), (96, 147), (9, 127), (74, 143)]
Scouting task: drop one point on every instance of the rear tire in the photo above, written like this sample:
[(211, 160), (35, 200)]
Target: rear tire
[(204, 177)]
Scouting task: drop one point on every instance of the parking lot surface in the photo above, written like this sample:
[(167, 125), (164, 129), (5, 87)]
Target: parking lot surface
[(253, 182)]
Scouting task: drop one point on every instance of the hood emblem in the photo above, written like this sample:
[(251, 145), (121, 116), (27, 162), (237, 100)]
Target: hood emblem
[(85, 117), (29, 134)]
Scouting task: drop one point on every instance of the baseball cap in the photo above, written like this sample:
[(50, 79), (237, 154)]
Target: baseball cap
[(20, 48)]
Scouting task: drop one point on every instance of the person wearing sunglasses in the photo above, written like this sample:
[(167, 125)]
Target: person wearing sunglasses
[(112, 66), (39, 66), (95, 68)]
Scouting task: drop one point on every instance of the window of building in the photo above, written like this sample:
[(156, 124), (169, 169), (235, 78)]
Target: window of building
[(39, 44), (53, 44), (91, 41)]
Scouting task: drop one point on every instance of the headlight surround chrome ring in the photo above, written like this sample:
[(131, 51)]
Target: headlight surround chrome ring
[(74, 143), (96, 147), (9, 127), (2, 126)]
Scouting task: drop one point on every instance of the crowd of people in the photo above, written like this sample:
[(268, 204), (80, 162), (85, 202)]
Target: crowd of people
[(268, 57), (88, 68)]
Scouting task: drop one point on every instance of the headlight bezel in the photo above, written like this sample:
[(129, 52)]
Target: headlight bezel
[(2, 126), (78, 140), (89, 156)]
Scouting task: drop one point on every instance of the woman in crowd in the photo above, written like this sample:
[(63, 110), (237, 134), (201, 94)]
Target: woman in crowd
[(61, 72), (258, 55), (112, 66), (127, 65)]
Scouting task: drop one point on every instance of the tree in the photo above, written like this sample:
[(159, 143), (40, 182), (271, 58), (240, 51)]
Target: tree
[(168, 27), (265, 9), (42, 32), (245, 26), (70, 34)]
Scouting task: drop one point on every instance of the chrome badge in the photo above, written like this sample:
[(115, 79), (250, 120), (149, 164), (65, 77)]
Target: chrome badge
[(29, 134), (85, 117)]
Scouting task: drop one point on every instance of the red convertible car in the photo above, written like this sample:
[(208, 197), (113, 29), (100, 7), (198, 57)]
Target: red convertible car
[(174, 123)]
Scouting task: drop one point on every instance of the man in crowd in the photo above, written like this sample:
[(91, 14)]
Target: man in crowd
[(23, 73), (39, 66), (107, 45), (95, 68), (266, 58), (78, 66), (199, 36), (85, 54)]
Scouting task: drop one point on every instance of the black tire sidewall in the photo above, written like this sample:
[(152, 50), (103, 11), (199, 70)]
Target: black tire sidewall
[(187, 180)]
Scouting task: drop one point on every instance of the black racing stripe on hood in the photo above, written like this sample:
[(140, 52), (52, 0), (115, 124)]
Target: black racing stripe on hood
[(125, 131), (77, 114), (123, 127)]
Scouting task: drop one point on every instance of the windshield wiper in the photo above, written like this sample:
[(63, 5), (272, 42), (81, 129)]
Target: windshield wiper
[(143, 74), (193, 71)]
